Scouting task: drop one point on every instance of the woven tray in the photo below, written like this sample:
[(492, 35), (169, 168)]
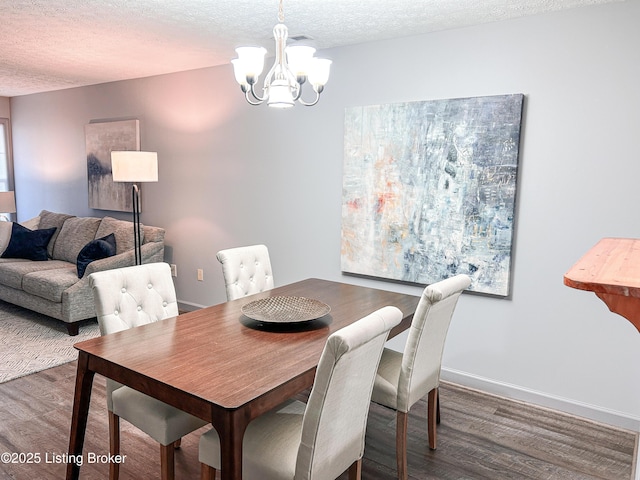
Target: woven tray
[(285, 309)]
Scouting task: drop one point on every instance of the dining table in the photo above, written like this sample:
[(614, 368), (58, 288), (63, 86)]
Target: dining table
[(223, 366)]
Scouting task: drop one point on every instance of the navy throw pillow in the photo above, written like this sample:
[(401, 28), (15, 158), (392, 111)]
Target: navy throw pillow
[(29, 244), (95, 250)]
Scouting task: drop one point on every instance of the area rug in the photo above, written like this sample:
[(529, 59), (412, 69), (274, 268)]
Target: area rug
[(31, 342)]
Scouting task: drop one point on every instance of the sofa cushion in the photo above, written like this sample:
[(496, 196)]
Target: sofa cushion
[(32, 223), (50, 220), (29, 244), (10, 260), (95, 250), (49, 284), (122, 230), (13, 272), (75, 234)]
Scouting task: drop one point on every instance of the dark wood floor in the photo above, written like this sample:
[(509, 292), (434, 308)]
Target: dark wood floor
[(480, 437)]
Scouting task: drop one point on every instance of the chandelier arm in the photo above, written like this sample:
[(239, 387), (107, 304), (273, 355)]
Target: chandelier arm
[(309, 104), (297, 88), (252, 90), (248, 99)]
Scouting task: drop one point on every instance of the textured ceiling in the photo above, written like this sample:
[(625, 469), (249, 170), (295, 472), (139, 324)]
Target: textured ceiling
[(54, 44)]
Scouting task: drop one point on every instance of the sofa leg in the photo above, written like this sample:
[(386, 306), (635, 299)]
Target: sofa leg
[(73, 328)]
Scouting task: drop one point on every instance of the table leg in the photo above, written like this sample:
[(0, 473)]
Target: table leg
[(81, 400), (231, 432)]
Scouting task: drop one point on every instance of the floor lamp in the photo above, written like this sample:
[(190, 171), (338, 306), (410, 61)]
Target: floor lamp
[(132, 166), (7, 204)]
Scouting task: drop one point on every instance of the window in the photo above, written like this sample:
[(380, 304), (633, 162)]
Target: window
[(6, 161), (6, 170)]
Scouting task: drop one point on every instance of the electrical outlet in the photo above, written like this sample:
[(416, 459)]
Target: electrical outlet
[(174, 270), (200, 275)]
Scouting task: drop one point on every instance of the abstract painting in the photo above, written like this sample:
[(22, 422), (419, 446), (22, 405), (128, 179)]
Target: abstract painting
[(429, 190), (101, 139)]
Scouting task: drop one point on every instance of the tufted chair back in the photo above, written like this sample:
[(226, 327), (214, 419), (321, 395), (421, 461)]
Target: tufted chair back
[(246, 270), (132, 296)]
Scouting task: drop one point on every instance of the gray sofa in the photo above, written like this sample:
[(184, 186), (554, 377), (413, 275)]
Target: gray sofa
[(53, 287)]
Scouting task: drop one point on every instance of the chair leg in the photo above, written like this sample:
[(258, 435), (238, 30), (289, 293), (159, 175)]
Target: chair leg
[(177, 444), (207, 472), (355, 470), (401, 444), (432, 417), (114, 445), (167, 470), (438, 408)]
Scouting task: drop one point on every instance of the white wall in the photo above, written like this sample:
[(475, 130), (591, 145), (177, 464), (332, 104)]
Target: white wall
[(231, 174)]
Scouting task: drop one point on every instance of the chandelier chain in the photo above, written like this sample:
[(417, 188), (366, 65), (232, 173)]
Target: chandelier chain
[(281, 13)]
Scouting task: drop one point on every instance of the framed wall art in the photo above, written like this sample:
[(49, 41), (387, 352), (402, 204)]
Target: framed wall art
[(429, 190), (101, 139)]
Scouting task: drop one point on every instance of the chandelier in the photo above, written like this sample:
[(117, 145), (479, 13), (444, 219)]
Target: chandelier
[(294, 65)]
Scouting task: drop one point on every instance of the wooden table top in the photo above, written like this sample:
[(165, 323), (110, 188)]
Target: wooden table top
[(218, 355), (612, 266), (611, 269)]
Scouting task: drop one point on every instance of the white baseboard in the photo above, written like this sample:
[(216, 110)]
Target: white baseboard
[(515, 392), (189, 306)]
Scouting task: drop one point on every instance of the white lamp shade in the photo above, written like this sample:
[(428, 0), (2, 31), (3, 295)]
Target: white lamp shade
[(132, 166), (250, 63), (239, 73), (7, 202), (299, 59), (319, 71)]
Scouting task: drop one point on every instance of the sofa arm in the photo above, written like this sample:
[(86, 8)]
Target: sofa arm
[(151, 252)]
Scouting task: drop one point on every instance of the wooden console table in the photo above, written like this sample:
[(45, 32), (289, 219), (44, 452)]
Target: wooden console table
[(611, 269)]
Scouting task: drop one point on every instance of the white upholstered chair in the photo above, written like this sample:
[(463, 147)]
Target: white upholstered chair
[(325, 437), (405, 378), (126, 298), (246, 270)]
